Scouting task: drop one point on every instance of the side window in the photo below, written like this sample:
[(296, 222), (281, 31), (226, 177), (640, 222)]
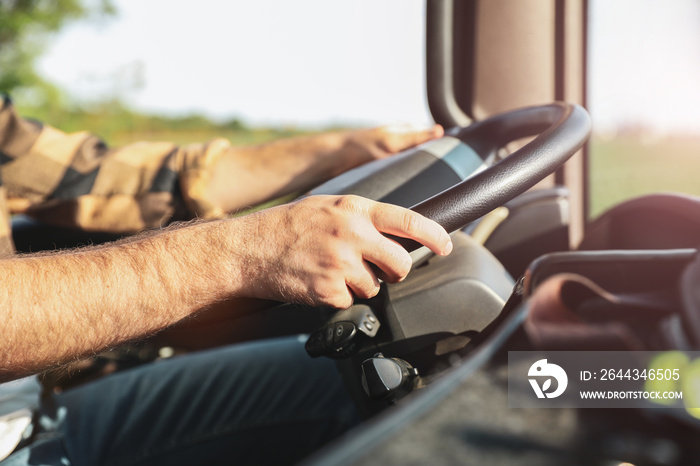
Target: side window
[(644, 96)]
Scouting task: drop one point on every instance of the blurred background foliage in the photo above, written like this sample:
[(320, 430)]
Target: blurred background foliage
[(26, 26)]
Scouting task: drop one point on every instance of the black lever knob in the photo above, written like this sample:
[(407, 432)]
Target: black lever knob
[(387, 378), (341, 336)]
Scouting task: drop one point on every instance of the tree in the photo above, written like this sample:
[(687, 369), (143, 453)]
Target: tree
[(25, 26)]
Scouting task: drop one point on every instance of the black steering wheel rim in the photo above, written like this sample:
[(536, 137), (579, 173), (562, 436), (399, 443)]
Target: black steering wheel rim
[(561, 129)]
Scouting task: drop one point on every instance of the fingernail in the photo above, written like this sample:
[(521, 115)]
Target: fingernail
[(448, 248)]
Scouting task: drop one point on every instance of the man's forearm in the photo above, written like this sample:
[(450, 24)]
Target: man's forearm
[(277, 168), (65, 306), (317, 251)]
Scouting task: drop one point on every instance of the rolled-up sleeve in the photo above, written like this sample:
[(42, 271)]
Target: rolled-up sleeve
[(75, 180)]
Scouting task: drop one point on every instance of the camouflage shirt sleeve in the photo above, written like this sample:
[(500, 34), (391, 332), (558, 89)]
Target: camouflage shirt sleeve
[(75, 180)]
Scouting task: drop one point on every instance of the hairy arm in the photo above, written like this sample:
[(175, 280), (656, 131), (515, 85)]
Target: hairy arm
[(64, 306), (61, 307)]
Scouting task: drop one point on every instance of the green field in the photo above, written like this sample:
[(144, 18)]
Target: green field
[(118, 126), (628, 166)]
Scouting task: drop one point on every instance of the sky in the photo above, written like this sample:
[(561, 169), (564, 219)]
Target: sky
[(304, 62), (644, 63), (321, 62)]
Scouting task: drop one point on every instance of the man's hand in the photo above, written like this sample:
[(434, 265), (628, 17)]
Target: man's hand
[(363, 146), (320, 250), (242, 177)]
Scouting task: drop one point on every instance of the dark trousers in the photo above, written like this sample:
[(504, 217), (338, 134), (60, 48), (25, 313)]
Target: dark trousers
[(257, 403)]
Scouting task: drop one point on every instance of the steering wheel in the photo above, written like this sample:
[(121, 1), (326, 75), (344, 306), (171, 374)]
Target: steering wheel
[(561, 130)]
